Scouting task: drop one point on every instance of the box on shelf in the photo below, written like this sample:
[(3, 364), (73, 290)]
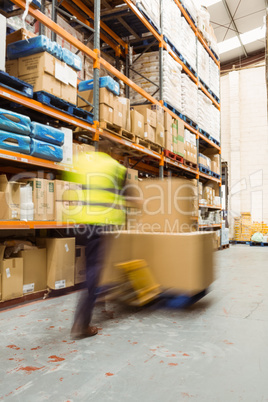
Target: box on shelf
[(11, 270), (34, 269), (20, 34), (50, 201), (118, 113), (148, 114), (167, 121), (67, 146), (39, 187), (9, 199), (137, 123), (126, 124), (60, 262), (149, 133), (80, 264), (106, 97), (160, 135), (60, 186), (46, 73), (106, 114)]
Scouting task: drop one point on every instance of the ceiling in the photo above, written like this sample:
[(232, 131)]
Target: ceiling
[(247, 15)]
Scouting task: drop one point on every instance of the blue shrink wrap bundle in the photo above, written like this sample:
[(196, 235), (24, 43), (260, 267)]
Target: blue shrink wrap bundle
[(15, 142), (105, 82), (56, 50), (43, 150), (28, 47), (14, 122), (47, 133), (73, 60)]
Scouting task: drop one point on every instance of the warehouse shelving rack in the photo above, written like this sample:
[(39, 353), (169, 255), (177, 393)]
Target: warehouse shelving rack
[(159, 164)]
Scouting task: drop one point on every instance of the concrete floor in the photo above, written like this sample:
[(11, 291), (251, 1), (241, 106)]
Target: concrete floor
[(215, 351)]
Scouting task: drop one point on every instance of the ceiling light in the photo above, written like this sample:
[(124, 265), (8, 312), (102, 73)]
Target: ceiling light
[(228, 45), (253, 36)]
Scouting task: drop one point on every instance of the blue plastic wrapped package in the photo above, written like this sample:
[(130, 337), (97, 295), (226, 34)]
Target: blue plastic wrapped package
[(56, 50), (105, 82), (73, 60), (15, 142), (28, 47), (47, 133), (43, 150), (14, 122)]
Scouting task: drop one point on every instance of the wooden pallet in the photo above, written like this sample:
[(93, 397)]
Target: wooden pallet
[(224, 246), (114, 129), (173, 156), (190, 164), (148, 144)]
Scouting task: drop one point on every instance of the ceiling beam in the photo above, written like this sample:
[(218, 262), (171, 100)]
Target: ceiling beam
[(234, 25)]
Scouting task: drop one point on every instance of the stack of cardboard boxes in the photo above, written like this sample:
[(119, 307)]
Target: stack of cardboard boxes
[(190, 148), (205, 161), (152, 129), (46, 73), (55, 263), (178, 137), (114, 109)]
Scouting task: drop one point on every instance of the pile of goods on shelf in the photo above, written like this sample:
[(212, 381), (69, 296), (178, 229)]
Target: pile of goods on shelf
[(19, 134), (61, 263), (189, 94), (209, 218), (190, 148), (245, 228), (46, 66)]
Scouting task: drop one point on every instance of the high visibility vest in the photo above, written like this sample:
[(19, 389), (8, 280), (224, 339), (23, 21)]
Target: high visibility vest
[(96, 198)]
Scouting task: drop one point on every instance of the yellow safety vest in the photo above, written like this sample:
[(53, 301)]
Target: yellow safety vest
[(96, 198)]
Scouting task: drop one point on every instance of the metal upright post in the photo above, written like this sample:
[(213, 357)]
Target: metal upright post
[(96, 76), (127, 70), (54, 18), (41, 26), (161, 52)]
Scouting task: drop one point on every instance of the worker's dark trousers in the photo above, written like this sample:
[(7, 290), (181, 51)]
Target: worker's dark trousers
[(95, 245)]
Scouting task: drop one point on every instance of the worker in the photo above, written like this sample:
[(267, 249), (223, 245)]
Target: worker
[(99, 205)]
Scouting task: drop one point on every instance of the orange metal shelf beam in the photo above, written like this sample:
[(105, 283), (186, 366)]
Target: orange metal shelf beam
[(209, 142), (181, 166), (206, 176), (34, 225), (203, 42), (40, 107), (87, 11), (210, 206), (74, 12)]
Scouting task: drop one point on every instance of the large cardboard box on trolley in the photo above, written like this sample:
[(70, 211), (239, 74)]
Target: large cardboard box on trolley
[(60, 261), (168, 206), (181, 262), (34, 269)]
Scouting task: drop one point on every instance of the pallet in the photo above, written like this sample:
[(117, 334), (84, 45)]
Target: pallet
[(148, 18), (239, 242), (15, 84), (63, 106), (180, 56), (190, 164), (114, 129), (215, 141), (224, 247), (204, 133), (190, 122), (173, 156), (254, 244), (212, 51), (205, 170), (148, 144), (181, 116), (179, 301), (214, 96), (216, 175)]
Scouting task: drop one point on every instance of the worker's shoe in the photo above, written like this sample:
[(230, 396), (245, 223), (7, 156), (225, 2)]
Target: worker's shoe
[(78, 332)]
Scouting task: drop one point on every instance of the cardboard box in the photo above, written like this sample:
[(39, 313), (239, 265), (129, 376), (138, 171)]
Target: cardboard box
[(50, 201), (60, 209), (60, 186), (149, 132), (39, 187), (180, 146), (11, 276), (148, 114), (168, 140), (9, 199), (159, 113), (60, 262), (67, 147), (132, 176), (20, 34), (69, 93), (34, 269), (12, 67), (126, 124), (137, 123), (194, 273), (106, 114), (160, 135), (44, 82), (106, 97), (167, 121), (80, 264), (168, 206), (118, 117)]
